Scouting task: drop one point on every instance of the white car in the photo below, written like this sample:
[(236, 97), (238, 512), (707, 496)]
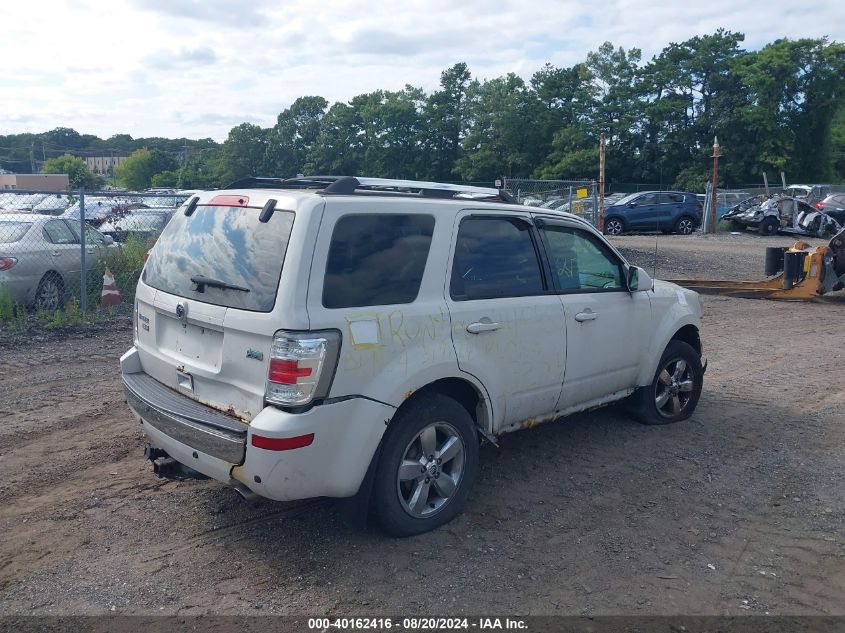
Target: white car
[(349, 337)]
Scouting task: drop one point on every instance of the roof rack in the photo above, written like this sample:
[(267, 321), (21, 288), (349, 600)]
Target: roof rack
[(346, 185)]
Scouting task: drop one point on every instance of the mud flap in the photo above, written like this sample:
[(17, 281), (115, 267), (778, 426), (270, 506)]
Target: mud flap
[(356, 509)]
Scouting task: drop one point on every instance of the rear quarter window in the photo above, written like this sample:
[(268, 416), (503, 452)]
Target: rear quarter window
[(11, 232), (376, 259)]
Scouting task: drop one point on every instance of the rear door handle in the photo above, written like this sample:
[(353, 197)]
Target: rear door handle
[(485, 325), (587, 315), (55, 253)]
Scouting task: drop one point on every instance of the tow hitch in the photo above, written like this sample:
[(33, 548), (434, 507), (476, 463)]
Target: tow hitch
[(166, 467)]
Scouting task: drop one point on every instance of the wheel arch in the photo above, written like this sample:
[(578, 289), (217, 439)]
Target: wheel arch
[(471, 396), (678, 326), (689, 334)]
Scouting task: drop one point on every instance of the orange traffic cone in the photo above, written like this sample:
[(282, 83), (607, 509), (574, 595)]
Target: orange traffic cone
[(111, 295)]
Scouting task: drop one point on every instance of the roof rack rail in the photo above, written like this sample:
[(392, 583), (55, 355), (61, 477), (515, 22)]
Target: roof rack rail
[(346, 185)]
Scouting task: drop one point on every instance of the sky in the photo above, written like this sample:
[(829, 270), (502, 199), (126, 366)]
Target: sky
[(196, 68)]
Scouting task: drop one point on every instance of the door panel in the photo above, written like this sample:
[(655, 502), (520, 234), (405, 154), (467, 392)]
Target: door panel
[(606, 325), (507, 327), (644, 212)]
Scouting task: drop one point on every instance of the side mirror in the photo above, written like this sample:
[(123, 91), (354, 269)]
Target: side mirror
[(638, 279), (631, 204)]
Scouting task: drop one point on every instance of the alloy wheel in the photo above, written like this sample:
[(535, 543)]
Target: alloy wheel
[(431, 469), (673, 388)]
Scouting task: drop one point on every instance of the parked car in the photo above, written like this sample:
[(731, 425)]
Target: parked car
[(667, 211), (834, 206), (98, 210), (294, 339), (142, 224), (782, 213), (41, 255)]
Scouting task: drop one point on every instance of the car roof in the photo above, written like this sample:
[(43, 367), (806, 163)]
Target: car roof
[(25, 217)]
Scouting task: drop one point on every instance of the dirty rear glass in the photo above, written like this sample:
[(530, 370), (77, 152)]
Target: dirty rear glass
[(227, 244)]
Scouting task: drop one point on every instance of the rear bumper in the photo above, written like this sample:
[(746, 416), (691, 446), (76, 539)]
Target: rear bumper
[(186, 420), (346, 435)]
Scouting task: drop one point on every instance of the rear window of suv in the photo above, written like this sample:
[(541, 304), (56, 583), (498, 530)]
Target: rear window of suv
[(224, 245), (376, 259)]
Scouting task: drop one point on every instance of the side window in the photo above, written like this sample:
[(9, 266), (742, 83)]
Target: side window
[(646, 199), (494, 258), (581, 262), (671, 198), (57, 232), (376, 259)]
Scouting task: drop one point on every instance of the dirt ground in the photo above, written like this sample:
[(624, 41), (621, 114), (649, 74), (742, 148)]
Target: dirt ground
[(739, 510)]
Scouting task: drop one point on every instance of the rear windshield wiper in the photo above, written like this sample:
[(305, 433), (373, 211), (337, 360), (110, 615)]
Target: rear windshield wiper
[(202, 281)]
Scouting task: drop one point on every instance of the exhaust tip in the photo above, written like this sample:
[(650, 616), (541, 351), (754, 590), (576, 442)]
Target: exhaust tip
[(245, 493)]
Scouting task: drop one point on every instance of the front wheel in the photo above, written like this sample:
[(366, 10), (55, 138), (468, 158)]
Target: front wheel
[(674, 392), (427, 466), (684, 226)]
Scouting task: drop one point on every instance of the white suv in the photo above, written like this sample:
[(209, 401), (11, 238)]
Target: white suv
[(349, 337)]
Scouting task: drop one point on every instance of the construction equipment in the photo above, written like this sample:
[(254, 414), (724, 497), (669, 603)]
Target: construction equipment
[(799, 274)]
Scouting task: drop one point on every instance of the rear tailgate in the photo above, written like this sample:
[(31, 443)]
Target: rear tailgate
[(210, 340)]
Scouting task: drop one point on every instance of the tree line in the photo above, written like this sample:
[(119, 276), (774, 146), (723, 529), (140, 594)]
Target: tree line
[(780, 108)]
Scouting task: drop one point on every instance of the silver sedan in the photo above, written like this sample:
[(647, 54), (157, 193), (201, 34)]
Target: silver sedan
[(40, 257)]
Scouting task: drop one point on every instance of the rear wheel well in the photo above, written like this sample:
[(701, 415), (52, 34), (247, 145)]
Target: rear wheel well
[(689, 335), (463, 392)]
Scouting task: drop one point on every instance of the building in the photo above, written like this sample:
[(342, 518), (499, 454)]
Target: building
[(104, 165), (35, 182)]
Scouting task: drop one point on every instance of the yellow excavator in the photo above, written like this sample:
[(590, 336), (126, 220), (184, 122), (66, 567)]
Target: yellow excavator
[(794, 274)]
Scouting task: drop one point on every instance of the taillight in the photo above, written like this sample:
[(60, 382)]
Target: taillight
[(7, 262), (819, 205), (147, 255), (301, 366)]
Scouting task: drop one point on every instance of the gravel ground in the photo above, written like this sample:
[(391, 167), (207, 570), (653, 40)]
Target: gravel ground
[(739, 510)]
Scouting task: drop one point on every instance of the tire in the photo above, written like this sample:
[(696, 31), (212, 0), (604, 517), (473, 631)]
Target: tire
[(685, 225), (437, 424), (679, 388), (614, 226), (768, 226), (50, 293)]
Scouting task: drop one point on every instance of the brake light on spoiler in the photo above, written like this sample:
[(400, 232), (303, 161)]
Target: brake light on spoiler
[(301, 367), (228, 201)]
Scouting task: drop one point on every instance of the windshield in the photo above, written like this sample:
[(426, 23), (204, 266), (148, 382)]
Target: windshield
[(13, 231), (225, 244)]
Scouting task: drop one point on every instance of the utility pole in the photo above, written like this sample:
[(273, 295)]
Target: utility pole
[(713, 200), (32, 157), (602, 143)]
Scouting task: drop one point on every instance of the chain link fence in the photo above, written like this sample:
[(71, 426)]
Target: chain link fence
[(72, 252), (579, 197)]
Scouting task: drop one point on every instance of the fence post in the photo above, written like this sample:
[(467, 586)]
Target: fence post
[(83, 293), (596, 211)]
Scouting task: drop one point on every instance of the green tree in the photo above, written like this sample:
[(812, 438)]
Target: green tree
[(291, 140), (444, 122), (137, 171), (500, 137), (77, 171), (244, 153)]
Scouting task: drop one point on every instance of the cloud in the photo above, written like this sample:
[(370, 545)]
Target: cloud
[(216, 11), (196, 68), (184, 58)]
